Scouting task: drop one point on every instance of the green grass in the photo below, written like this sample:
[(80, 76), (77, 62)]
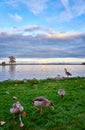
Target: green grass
[(69, 112)]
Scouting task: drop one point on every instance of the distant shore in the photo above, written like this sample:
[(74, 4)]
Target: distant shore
[(42, 64)]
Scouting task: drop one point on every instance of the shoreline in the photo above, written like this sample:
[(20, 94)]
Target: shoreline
[(41, 64), (49, 78)]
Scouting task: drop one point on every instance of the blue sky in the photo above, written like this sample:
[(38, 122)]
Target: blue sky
[(42, 29)]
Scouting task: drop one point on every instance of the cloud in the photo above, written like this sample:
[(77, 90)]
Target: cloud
[(29, 30), (13, 3), (78, 8), (15, 17), (36, 7), (17, 29), (42, 46), (32, 28), (72, 9), (66, 5)]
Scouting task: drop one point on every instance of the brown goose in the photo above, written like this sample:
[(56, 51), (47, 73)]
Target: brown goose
[(42, 102), (67, 73)]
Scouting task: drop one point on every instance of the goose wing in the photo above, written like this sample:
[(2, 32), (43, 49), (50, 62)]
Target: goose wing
[(40, 99)]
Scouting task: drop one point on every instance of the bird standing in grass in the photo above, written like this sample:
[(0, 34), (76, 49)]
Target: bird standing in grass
[(61, 92), (17, 109), (67, 73), (42, 102)]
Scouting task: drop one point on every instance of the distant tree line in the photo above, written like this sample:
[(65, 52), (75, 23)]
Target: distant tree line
[(83, 63), (12, 60)]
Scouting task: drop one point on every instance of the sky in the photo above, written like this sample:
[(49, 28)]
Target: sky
[(47, 30)]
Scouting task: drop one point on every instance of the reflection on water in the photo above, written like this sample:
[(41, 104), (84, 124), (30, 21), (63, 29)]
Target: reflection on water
[(39, 71), (12, 70)]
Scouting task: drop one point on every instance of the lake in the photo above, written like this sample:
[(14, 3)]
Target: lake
[(39, 71)]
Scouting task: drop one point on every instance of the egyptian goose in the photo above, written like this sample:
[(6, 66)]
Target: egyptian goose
[(42, 102), (67, 73)]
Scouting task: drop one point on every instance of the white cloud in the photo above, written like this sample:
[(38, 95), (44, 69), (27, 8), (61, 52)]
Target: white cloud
[(76, 8), (13, 3), (36, 7), (66, 4), (63, 45), (15, 17), (32, 28), (72, 9)]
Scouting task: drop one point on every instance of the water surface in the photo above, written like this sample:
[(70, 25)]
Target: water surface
[(39, 71)]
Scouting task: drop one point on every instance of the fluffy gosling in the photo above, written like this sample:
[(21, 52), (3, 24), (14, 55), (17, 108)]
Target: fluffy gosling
[(17, 109), (61, 92)]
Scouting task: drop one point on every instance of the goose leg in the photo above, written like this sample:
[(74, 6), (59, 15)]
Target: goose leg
[(21, 123), (14, 118), (41, 110), (36, 108)]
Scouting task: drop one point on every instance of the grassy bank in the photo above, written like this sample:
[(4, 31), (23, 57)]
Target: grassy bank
[(69, 112)]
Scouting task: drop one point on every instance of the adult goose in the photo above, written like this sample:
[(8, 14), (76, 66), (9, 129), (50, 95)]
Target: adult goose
[(67, 73), (42, 102)]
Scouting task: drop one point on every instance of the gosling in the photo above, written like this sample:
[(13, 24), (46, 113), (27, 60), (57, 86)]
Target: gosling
[(61, 92), (17, 109)]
